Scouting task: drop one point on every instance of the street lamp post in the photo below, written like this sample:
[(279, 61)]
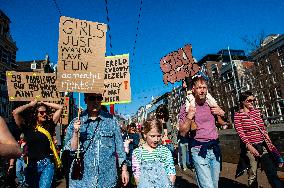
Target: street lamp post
[(233, 73)]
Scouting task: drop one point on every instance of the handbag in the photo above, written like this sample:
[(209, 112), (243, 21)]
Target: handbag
[(272, 149), (77, 169), (77, 164)]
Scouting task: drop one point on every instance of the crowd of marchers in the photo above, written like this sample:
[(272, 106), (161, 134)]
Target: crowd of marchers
[(98, 152)]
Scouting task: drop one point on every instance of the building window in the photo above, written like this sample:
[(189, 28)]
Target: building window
[(260, 71), (269, 96), (260, 84), (272, 95), (214, 68), (269, 111), (248, 87), (278, 92), (233, 102), (273, 79), (263, 97), (256, 63), (281, 107), (281, 61), (269, 68), (229, 75), (279, 52)]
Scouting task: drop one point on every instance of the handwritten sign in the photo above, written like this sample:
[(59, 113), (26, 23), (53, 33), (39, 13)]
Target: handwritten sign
[(28, 86), (64, 101), (178, 64), (81, 55), (117, 80)]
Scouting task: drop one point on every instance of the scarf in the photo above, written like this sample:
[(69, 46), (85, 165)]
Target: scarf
[(57, 160)]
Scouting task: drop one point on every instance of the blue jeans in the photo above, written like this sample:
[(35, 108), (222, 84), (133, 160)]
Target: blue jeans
[(170, 146), (184, 155), (207, 170), (20, 170), (40, 173)]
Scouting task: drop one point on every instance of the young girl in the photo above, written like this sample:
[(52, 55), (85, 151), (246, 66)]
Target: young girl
[(152, 163)]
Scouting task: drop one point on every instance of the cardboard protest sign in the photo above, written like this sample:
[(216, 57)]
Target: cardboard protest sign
[(178, 64), (64, 101), (28, 86), (81, 55), (117, 80)]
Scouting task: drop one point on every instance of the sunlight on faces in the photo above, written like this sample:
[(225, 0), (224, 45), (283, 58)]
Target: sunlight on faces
[(200, 90), (41, 116), (248, 103), (93, 101), (153, 138)]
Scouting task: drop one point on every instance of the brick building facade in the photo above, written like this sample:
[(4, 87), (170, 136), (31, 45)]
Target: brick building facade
[(8, 51), (226, 78), (268, 77)]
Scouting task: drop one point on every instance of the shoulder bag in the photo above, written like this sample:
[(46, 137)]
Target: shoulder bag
[(272, 149), (77, 163)]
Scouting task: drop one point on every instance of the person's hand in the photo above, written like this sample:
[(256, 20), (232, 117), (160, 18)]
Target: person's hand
[(217, 111), (124, 177), (55, 141), (130, 140), (225, 126), (191, 112), (252, 150), (280, 165), (33, 103), (10, 169), (77, 125)]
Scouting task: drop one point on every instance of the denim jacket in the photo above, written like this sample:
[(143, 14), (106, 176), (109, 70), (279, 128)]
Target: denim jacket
[(100, 169)]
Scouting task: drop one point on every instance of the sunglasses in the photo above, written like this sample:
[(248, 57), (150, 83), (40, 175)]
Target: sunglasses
[(95, 98), (42, 112), (250, 100)]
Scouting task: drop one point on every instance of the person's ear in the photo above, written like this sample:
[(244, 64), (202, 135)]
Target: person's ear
[(145, 135)]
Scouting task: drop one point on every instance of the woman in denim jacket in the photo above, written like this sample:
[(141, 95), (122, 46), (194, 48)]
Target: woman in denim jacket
[(101, 141)]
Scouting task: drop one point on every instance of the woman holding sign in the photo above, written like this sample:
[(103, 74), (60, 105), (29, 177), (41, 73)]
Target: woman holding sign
[(38, 125)]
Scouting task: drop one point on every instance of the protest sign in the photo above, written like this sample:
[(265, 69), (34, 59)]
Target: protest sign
[(81, 55), (28, 86), (117, 80), (178, 64), (64, 101)]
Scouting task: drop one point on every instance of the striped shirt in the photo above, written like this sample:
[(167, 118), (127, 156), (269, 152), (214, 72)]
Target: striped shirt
[(246, 127), (204, 119), (161, 152)]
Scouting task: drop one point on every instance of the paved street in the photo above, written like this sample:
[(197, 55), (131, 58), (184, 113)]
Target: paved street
[(227, 180)]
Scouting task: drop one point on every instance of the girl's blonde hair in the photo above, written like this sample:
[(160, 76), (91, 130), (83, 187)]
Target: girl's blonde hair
[(153, 124)]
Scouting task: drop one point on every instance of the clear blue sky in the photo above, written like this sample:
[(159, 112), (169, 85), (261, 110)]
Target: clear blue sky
[(165, 26)]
